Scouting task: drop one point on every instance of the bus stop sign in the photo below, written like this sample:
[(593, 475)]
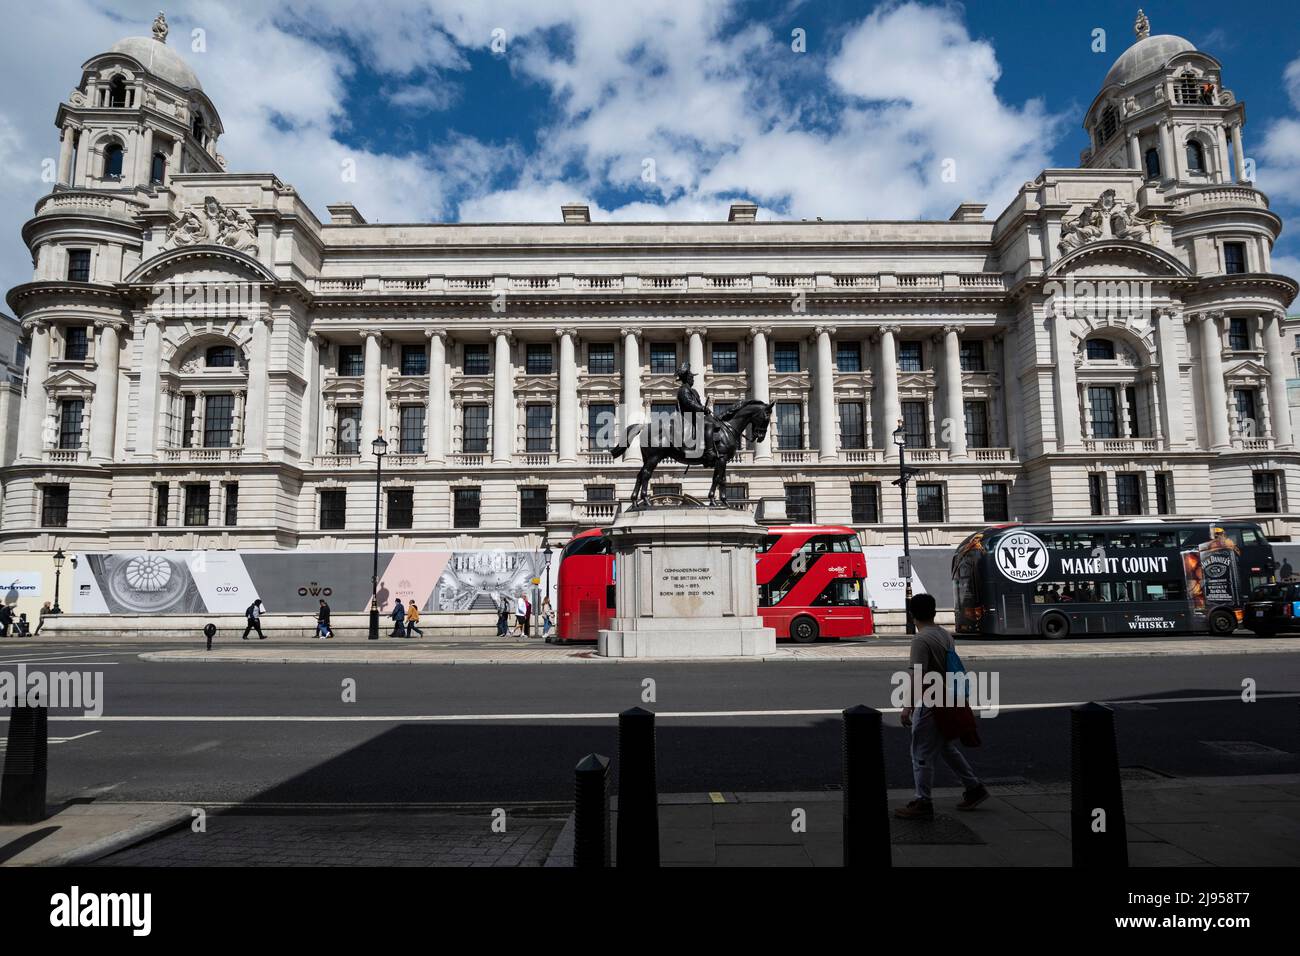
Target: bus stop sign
[(904, 566)]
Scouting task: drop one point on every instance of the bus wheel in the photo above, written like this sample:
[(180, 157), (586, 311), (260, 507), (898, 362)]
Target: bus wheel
[(1223, 622), (803, 630), (1054, 626)]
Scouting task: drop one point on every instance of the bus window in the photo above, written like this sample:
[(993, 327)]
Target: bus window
[(1162, 591), (1157, 539), (840, 592), (843, 543), (1123, 539), (768, 541)]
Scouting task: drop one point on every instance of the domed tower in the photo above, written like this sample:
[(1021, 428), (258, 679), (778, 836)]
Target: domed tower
[(1163, 110), (138, 115)]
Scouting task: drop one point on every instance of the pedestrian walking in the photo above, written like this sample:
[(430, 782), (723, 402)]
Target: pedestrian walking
[(41, 615), (413, 620), (254, 617), (399, 618), (548, 616), (1286, 572), (521, 617), (323, 629), (503, 616), (6, 619), (932, 647)]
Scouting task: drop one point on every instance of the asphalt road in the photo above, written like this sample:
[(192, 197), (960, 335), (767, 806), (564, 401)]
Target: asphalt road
[(277, 734)]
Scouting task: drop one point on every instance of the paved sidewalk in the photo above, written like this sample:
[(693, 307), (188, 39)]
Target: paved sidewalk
[(81, 832)]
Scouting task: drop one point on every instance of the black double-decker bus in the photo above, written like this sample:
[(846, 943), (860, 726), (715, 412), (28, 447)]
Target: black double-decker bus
[(1123, 578)]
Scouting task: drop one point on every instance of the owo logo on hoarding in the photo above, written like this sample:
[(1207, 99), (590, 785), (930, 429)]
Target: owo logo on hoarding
[(1021, 556)]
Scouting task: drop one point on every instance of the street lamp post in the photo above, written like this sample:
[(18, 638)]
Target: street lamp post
[(379, 447), (546, 553), (900, 439), (58, 571)]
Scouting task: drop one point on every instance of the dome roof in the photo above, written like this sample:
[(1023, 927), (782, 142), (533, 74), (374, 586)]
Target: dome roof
[(160, 60), (1146, 56)]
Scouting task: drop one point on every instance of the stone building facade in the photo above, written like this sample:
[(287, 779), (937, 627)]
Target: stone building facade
[(207, 362)]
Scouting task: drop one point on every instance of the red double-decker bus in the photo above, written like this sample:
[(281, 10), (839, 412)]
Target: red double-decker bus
[(811, 584)]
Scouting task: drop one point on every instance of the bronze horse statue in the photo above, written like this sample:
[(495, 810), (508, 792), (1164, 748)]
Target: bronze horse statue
[(720, 443)]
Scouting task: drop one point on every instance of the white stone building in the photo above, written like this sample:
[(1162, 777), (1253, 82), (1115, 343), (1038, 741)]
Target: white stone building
[(208, 361)]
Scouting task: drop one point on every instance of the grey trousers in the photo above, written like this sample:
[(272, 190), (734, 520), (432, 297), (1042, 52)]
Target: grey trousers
[(926, 743)]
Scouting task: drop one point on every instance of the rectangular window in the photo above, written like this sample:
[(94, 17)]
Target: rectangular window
[(197, 499), (1164, 492), (54, 506), (789, 425), (537, 437), (347, 430), (929, 502), (600, 426), (218, 420), (736, 491), (1244, 401), (916, 425), (785, 356), (910, 357), (352, 361), (465, 508), (537, 359), (1131, 399), (411, 434), (600, 492), (662, 415), (188, 405), (977, 424), (852, 429), (726, 358), (474, 436), (663, 358), (1097, 493), (232, 504), (70, 412), (532, 507), (799, 503), (1238, 334), (1128, 494), (401, 507), (848, 356), (972, 356), (1105, 420), (162, 500), (75, 343), (1266, 497), (78, 265), (995, 501), (600, 358), (476, 360), (414, 360), (333, 509), (1234, 258), (666, 489), (864, 497)]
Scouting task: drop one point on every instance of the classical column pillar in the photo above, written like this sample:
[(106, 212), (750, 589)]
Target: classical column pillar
[(632, 412), (1011, 391), (1066, 384), (103, 420), (759, 387), (1238, 154), (1171, 401), (372, 398), (890, 410), (1274, 358), (567, 400), (503, 387), (311, 444), (1170, 165), (66, 137), (146, 426), (259, 349), (695, 358), (1216, 396), (143, 155), (1134, 158), (826, 450), (955, 410), (31, 440), (435, 448)]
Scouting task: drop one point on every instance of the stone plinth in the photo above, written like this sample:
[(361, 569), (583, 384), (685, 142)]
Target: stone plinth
[(685, 586)]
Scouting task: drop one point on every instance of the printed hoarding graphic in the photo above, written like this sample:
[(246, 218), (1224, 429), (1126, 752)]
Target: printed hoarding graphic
[(479, 580)]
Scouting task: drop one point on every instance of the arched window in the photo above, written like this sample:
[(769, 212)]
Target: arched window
[(1195, 157), (1100, 349), (198, 126), (1109, 125), (113, 161), (220, 356), (1153, 163), (117, 93), (158, 168)]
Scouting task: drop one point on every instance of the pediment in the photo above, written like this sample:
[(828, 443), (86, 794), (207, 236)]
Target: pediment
[(1247, 368), (68, 379), (1118, 259), (200, 263)]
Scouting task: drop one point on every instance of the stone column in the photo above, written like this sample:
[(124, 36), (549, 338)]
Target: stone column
[(259, 348), (1275, 352), (631, 386), (1216, 397), (955, 411), (695, 358), (503, 399), (567, 401), (1134, 158), (436, 416), (143, 143), (104, 419), (1067, 405), (311, 444), (372, 398), (31, 442), (1170, 164), (146, 426), (1121, 396), (65, 155), (1171, 401), (1238, 154), (1011, 392), (890, 410), (759, 387), (826, 450)]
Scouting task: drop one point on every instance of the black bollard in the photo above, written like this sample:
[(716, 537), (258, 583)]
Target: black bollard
[(209, 631), (866, 802), (1095, 785), (638, 794), (591, 812), (22, 787)]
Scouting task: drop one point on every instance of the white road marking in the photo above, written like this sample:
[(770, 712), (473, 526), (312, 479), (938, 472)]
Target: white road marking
[(61, 657), (59, 740), (611, 715)]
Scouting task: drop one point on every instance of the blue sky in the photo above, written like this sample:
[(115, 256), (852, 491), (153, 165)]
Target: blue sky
[(666, 110)]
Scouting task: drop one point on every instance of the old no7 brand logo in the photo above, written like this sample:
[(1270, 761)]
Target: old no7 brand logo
[(1021, 556)]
